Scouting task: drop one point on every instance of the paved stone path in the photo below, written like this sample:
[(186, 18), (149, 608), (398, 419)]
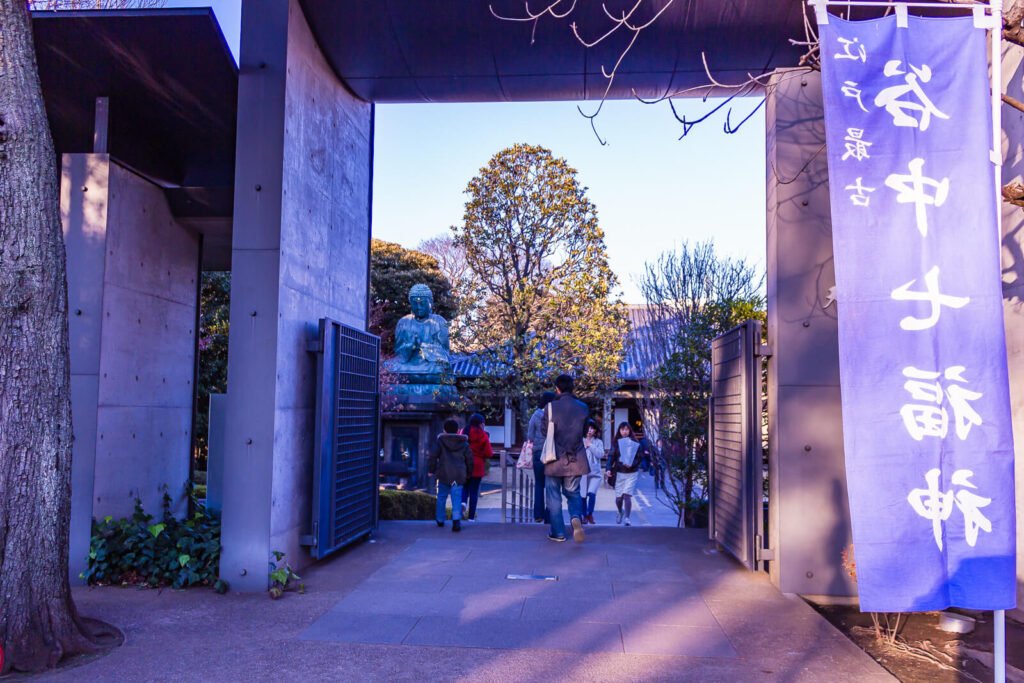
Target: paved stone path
[(422, 603), (649, 508)]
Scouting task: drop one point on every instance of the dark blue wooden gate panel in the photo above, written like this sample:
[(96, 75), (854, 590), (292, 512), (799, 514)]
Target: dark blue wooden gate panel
[(347, 437), (735, 473)]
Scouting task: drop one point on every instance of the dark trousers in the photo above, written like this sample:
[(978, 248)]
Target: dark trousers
[(540, 509), (473, 495)]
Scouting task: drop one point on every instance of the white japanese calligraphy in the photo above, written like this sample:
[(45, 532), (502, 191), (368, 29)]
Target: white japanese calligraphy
[(912, 189), (860, 196), (850, 89), (856, 145), (932, 295), (897, 108), (929, 416), (970, 505), (936, 505), (847, 44), (931, 503)]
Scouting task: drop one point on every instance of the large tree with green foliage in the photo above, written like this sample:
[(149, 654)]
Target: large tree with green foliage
[(693, 295), (393, 270), (532, 240)]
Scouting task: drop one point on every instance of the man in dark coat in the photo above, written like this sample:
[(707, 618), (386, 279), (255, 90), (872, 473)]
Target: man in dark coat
[(562, 476)]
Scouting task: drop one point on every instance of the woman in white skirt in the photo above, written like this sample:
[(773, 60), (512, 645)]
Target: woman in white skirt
[(590, 483), (623, 466)]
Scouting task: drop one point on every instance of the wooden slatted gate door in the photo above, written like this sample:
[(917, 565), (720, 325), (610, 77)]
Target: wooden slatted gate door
[(735, 471), (347, 438)]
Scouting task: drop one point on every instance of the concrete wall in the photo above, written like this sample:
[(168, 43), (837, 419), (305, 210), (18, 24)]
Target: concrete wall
[(132, 274), (1012, 261), (147, 359), (83, 206), (809, 514), (300, 252)]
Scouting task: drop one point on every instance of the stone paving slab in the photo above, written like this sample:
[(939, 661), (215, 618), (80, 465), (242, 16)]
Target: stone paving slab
[(627, 612), (473, 606), (689, 641), (550, 590), (407, 608), (503, 634), (346, 627), (385, 583)]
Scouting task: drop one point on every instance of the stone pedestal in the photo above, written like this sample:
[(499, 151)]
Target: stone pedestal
[(423, 397), (408, 438)]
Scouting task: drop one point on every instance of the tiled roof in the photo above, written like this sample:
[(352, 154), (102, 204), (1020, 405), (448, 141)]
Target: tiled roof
[(641, 357)]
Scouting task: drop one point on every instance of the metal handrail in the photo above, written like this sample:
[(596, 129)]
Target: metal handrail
[(516, 490)]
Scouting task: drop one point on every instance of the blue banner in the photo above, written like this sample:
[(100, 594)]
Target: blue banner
[(922, 352)]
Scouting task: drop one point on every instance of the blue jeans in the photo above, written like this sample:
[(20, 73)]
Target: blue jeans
[(591, 500), (443, 491), (555, 487), (540, 509), (473, 495)]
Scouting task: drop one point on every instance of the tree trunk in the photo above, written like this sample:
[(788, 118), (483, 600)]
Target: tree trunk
[(38, 621)]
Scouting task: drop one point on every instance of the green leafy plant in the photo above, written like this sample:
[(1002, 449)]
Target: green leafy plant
[(282, 577), (172, 552)]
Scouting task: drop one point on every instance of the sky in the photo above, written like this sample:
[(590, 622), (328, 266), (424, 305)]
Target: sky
[(651, 190)]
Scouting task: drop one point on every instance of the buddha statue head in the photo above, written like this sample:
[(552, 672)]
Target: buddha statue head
[(421, 301)]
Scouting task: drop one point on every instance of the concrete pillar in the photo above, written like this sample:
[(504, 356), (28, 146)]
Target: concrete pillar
[(620, 415), (299, 252), (83, 206), (1013, 279), (132, 278), (806, 466)]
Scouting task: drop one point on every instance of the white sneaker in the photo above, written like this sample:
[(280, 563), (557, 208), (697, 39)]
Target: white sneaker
[(618, 517), (628, 523)]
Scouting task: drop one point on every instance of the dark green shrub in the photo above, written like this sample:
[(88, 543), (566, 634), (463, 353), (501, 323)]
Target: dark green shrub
[(396, 504), (172, 552)]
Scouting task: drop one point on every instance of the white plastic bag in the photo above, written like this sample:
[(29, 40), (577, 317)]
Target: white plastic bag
[(549, 454)]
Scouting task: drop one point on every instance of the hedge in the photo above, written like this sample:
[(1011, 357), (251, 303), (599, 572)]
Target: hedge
[(395, 504)]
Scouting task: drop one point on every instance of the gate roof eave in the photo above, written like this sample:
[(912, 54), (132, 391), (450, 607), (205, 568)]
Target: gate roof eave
[(440, 51)]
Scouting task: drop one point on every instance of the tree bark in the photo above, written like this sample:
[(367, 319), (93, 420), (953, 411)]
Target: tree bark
[(38, 621)]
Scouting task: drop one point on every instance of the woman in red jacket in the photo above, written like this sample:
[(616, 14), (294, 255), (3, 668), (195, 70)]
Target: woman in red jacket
[(480, 445)]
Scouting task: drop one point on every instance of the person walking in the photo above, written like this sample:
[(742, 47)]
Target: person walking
[(450, 462), (624, 463), (591, 483), (536, 432), (562, 476), (480, 445)]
